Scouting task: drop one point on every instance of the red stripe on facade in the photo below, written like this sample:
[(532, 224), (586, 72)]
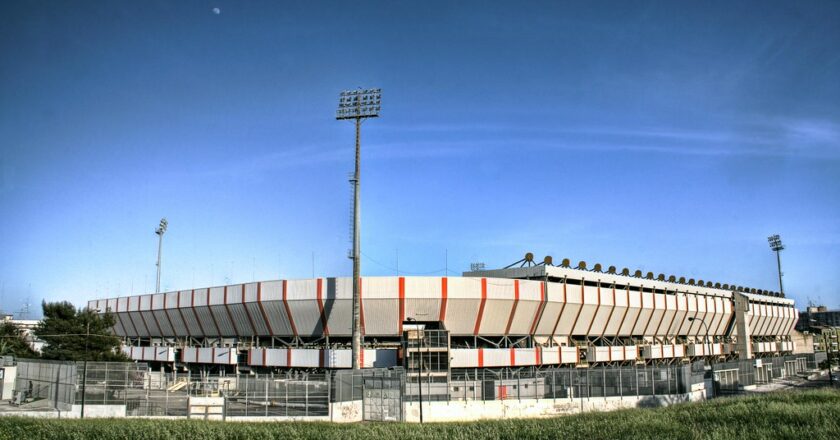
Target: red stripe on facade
[(262, 309), (362, 358), (264, 357), (250, 352), (537, 357), (512, 357), (444, 293), (401, 288), (319, 291), (480, 357), (322, 358), (288, 357), (515, 303), (481, 306), (540, 309)]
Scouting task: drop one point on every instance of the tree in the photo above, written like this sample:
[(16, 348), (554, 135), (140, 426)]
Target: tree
[(75, 335), (13, 342)]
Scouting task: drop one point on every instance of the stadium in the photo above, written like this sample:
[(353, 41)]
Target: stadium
[(534, 316)]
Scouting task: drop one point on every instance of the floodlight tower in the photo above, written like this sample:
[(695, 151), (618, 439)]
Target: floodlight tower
[(777, 246), (357, 105), (160, 231)]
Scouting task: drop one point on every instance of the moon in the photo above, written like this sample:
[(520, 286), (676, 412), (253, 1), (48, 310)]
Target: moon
[(217, 11)]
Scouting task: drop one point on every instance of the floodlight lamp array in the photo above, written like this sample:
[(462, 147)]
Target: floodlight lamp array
[(775, 242), (361, 103)]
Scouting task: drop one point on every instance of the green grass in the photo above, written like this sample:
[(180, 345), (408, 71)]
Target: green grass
[(808, 415)]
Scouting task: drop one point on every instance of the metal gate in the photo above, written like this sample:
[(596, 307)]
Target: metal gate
[(382, 399)]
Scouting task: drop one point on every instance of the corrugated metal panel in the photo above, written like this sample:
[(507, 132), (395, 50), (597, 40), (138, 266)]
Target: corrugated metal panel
[(634, 301), (301, 296), (573, 295), (587, 312), (645, 313), (680, 313), (604, 312), (219, 312), (554, 304), (136, 317), (190, 315), (271, 295), (497, 307), (656, 315), (423, 298), (125, 318), (173, 316), (668, 316), (526, 309), (695, 327), (254, 310), (338, 306), (239, 316), (381, 305), (202, 312), (619, 311), (725, 315), (462, 305), (691, 311), (777, 320)]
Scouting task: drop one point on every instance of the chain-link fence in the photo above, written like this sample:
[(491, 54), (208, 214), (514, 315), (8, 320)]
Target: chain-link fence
[(565, 383), (45, 384), (52, 385)]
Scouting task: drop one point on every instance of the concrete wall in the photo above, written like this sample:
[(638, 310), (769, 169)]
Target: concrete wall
[(516, 409), (8, 385)]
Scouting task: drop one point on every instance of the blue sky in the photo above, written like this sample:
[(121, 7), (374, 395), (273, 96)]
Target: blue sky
[(666, 137)]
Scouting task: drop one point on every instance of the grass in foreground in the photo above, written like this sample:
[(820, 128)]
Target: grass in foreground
[(810, 415)]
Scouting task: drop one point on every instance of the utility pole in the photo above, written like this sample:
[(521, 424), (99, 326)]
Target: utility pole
[(357, 105), (160, 231)]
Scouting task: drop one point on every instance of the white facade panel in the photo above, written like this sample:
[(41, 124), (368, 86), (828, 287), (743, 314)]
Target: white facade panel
[(462, 305), (573, 295), (605, 310), (424, 297), (587, 312), (381, 306)]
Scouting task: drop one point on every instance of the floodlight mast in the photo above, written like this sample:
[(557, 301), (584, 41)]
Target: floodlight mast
[(776, 245), (160, 231), (357, 105)]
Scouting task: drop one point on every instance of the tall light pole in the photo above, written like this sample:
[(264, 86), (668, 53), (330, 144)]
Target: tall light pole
[(357, 105), (777, 246), (160, 231), (692, 319)]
